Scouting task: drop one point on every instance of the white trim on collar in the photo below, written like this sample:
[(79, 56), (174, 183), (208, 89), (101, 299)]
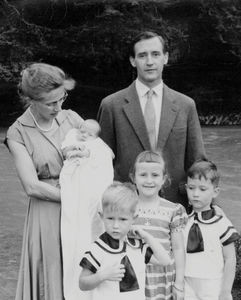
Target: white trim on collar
[(142, 89)]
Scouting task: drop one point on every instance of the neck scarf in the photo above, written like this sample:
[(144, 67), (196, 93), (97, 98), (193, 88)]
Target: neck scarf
[(195, 241)]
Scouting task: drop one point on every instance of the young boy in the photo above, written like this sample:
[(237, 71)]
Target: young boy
[(209, 239), (87, 172), (114, 268)]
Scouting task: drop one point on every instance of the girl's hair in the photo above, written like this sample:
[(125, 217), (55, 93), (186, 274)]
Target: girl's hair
[(205, 169), (150, 156), (120, 197), (39, 78)]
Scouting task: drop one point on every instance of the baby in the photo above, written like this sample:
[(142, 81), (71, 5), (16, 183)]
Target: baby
[(87, 172), (74, 144)]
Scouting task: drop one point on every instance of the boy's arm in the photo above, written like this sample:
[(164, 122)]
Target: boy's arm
[(228, 272), (89, 281), (160, 255)]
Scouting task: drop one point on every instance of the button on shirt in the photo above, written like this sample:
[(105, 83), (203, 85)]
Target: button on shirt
[(156, 97)]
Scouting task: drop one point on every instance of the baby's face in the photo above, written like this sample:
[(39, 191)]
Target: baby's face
[(87, 133)]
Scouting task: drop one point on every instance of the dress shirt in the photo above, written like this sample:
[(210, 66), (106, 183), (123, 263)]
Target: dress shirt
[(156, 98)]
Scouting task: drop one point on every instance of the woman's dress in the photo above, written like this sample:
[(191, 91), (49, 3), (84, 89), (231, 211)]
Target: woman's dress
[(40, 274)]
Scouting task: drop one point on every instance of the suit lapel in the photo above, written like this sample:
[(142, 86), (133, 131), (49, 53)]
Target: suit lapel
[(133, 111), (168, 116)]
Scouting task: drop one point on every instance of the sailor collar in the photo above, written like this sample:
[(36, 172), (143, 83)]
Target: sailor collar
[(205, 217), (111, 245)]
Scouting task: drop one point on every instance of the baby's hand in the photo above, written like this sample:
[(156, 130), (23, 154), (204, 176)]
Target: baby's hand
[(113, 273)]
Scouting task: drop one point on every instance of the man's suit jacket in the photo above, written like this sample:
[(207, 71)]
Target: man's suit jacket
[(180, 138)]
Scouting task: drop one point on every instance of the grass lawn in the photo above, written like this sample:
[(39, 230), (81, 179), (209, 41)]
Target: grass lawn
[(223, 146)]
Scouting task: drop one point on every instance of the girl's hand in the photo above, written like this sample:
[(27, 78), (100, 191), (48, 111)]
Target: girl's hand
[(137, 232), (113, 272), (178, 293)]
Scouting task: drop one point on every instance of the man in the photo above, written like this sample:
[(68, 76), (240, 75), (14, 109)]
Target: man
[(136, 119)]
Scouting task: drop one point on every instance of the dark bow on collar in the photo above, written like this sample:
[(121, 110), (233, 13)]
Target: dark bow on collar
[(195, 239), (129, 281)]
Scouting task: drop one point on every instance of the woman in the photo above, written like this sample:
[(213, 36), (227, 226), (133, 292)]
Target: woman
[(34, 140)]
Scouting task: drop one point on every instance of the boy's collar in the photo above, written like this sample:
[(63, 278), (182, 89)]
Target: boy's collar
[(111, 245), (206, 217)]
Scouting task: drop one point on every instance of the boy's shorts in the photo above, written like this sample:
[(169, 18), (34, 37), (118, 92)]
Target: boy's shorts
[(202, 289)]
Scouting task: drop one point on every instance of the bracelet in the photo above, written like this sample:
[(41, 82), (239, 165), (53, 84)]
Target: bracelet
[(178, 289)]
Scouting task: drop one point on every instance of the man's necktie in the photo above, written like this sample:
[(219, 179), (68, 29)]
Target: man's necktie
[(150, 119)]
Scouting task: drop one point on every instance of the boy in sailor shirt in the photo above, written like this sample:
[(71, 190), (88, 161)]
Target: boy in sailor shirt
[(209, 239), (114, 267)]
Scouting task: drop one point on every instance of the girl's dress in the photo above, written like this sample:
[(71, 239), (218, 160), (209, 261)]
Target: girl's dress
[(160, 223), (83, 181), (40, 274)]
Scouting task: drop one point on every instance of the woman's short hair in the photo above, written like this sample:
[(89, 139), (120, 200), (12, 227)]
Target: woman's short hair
[(39, 78)]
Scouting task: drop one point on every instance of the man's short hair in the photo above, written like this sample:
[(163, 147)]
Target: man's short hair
[(146, 35)]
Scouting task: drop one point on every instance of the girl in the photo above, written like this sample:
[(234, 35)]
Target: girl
[(165, 221)]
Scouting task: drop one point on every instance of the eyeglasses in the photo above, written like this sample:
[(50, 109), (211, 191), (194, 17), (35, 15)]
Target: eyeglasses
[(60, 101)]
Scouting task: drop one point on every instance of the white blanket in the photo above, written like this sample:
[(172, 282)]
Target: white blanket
[(82, 181)]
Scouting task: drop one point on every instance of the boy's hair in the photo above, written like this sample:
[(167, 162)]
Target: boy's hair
[(150, 156), (205, 169), (120, 196), (95, 126)]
